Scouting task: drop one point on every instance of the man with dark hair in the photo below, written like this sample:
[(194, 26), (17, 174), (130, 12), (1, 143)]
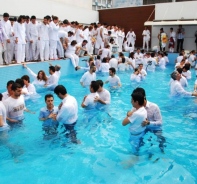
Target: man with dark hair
[(30, 87), (113, 79), (89, 76), (15, 105), (68, 111), (8, 93), (47, 116), (82, 49), (104, 95), (135, 120), (7, 32), (53, 79), (89, 100)]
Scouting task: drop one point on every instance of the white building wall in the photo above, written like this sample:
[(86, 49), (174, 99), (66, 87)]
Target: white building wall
[(73, 11)]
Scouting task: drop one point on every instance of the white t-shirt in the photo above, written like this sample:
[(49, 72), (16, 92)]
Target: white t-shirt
[(105, 53), (113, 62), (130, 60), (15, 108), (87, 78), (31, 89), (138, 58), (162, 63), (52, 81), (89, 101), (135, 78), (151, 64), (179, 59), (62, 34), (105, 96), (122, 66), (70, 49), (68, 113), (136, 120), (3, 114), (191, 59), (113, 81), (5, 96), (196, 69), (183, 81), (187, 74), (98, 64), (104, 67)]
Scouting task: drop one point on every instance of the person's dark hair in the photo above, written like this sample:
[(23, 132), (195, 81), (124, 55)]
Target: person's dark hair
[(180, 54), (171, 28), (121, 54), (15, 86), (73, 43), (6, 15), (48, 96), (123, 60), (136, 69), (10, 82), (111, 40), (52, 68), (180, 70), (27, 17), (142, 51), (138, 48), (1, 96), (152, 54), (109, 32), (113, 70), (54, 17), (70, 32), (60, 89), (131, 55), (19, 81), (20, 19), (186, 67), (44, 77), (137, 96), (94, 85), (85, 41), (25, 77), (112, 56), (140, 90), (100, 82), (161, 53), (104, 60), (98, 57), (165, 54), (92, 65), (65, 21), (48, 17), (33, 17)]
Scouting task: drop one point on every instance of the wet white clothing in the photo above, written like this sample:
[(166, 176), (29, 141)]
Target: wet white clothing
[(89, 101), (177, 90), (87, 78)]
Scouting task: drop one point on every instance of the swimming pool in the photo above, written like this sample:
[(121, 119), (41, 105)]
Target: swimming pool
[(104, 153)]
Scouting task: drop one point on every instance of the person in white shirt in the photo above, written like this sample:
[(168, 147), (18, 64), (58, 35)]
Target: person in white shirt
[(82, 48), (88, 77), (71, 50), (113, 62), (151, 63), (40, 79), (122, 65), (3, 125), (192, 58), (131, 37), (104, 68), (68, 112), (33, 34), (179, 58), (53, 79), (186, 72), (20, 41), (104, 95), (62, 35), (131, 61), (136, 76), (113, 79), (172, 36), (146, 38), (195, 86), (30, 87), (98, 63), (135, 119), (105, 52), (15, 105), (175, 87), (180, 65), (79, 33), (99, 38), (126, 47), (162, 62), (89, 101), (53, 37), (43, 37), (8, 93), (28, 50), (7, 33), (138, 57), (142, 71)]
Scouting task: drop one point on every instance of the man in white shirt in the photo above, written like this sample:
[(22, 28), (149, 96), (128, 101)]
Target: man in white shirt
[(175, 87), (113, 79), (3, 125), (89, 76), (89, 101), (28, 49), (62, 35), (142, 71), (43, 37), (113, 62), (173, 36), (53, 37), (7, 33), (53, 79), (30, 87), (138, 57), (68, 112), (146, 38), (15, 105), (8, 93), (139, 114), (99, 38), (33, 33), (131, 37), (186, 72), (104, 95)]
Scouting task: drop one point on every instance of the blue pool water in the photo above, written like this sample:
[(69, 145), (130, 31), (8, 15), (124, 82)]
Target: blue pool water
[(104, 155)]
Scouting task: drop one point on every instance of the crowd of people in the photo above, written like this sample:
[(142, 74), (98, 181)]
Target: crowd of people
[(145, 116)]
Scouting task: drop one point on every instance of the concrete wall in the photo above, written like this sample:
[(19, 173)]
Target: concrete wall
[(40, 8)]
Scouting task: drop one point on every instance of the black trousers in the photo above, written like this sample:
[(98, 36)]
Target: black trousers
[(179, 44), (72, 132)]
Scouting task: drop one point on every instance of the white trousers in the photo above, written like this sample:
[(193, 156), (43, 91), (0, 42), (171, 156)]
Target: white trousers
[(12, 48), (1, 52), (74, 59), (7, 55), (53, 49), (28, 52), (120, 44), (35, 49), (145, 42), (132, 42), (44, 50), (20, 52), (60, 49), (99, 44)]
